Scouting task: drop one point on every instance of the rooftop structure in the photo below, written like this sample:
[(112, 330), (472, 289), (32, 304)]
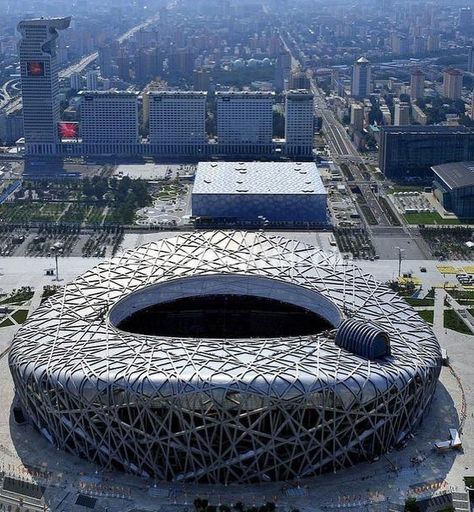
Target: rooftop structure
[(258, 178), (248, 191)]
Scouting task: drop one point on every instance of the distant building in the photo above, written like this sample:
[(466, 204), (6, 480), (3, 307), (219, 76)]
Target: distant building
[(299, 123), (465, 17), (177, 121), (417, 85), (245, 122), (39, 83), (454, 187), (260, 193), (106, 55), (337, 85), (433, 43), (181, 62), (470, 60), (402, 114), (361, 78), (452, 84), (109, 122), (201, 80), (282, 70), (299, 81), (92, 80), (409, 152), (419, 116), (400, 44), (357, 116), (386, 115), (11, 127), (75, 82)]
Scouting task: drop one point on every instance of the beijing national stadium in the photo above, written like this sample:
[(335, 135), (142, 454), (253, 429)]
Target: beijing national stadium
[(225, 357)]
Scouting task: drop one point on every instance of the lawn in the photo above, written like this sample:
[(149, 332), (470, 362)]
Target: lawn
[(420, 302), (453, 322), (369, 216), (20, 297), (6, 323), (427, 315), (428, 218), (20, 315)]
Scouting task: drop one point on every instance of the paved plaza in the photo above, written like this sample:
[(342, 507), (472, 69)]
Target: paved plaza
[(417, 468)]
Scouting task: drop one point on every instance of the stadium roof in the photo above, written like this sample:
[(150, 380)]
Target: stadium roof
[(456, 174), (258, 178)]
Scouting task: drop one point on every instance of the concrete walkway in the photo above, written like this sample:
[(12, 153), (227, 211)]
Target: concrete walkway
[(438, 318)]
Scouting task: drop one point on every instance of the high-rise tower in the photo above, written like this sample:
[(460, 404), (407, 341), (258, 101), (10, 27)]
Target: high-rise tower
[(39, 83), (299, 123), (417, 84), (361, 76)]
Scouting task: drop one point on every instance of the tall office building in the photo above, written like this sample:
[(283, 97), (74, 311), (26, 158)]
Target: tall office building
[(402, 114), (39, 83), (92, 80), (299, 123), (361, 76), (411, 151), (109, 121), (470, 60), (245, 121), (177, 121), (417, 85), (452, 84), (282, 69)]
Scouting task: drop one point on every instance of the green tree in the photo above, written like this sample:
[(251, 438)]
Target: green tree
[(411, 505)]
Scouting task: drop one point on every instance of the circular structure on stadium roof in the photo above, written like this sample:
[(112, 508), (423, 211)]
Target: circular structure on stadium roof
[(225, 356)]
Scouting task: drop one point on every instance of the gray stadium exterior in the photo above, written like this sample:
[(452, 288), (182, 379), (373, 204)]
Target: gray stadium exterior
[(222, 410)]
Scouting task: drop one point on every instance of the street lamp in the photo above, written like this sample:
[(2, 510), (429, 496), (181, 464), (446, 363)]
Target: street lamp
[(400, 250), (57, 250)]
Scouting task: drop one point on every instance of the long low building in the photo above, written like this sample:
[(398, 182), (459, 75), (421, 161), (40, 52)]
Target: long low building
[(266, 192), (454, 187), (409, 152)]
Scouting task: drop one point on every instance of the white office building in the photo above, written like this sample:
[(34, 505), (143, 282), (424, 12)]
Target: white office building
[(361, 78), (109, 122), (177, 121), (245, 122), (39, 83), (299, 123)]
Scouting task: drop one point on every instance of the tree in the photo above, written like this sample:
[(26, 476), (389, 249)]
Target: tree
[(411, 505)]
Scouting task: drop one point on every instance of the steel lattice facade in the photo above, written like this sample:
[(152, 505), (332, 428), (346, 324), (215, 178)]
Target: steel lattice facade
[(213, 410)]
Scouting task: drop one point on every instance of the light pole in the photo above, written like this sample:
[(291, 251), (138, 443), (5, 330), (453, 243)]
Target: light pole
[(57, 249), (400, 250)]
